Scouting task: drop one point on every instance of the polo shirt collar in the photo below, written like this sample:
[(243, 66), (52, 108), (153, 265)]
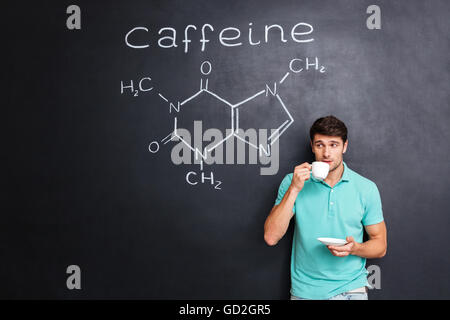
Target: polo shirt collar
[(346, 174)]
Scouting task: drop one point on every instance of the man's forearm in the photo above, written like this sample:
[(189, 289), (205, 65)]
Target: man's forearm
[(371, 249), (278, 221)]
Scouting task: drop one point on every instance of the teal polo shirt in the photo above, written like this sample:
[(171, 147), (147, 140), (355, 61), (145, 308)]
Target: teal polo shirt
[(331, 212)]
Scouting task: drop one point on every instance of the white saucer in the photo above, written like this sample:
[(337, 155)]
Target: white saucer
[(333, 241)]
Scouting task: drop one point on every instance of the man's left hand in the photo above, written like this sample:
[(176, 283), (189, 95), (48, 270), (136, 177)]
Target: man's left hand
[(344, 250)]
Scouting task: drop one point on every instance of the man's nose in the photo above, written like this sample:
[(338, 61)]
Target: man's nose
[(326, 152)]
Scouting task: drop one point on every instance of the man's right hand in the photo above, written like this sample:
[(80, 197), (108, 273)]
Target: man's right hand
[(301, 174)]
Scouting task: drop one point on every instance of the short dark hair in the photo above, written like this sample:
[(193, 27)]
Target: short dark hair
[(329, 126)]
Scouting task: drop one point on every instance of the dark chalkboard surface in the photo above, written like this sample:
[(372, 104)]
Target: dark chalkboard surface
[(90, 173)]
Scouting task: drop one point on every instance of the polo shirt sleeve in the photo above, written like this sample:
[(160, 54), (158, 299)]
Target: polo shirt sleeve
[(284, 186), (373, 212)]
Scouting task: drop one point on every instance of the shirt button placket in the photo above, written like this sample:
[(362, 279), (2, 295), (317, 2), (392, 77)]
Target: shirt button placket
[(332, 205)]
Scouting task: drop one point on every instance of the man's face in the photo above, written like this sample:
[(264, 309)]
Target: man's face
[(329, 149)]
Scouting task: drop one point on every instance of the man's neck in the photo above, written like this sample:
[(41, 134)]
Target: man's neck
[(335, 175)]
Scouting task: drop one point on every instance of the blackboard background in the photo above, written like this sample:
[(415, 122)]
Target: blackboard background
[(82, 187)]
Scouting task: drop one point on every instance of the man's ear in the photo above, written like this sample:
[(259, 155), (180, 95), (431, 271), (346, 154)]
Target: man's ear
[(345, 146), (311, 144)]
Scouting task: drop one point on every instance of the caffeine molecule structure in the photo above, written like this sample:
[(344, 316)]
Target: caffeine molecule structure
[(232, 113)]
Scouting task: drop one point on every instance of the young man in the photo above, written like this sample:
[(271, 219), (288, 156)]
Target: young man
[(340, 206)]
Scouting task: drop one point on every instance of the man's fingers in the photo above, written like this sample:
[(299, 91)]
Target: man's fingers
[(339, 253), (339, 249), (345, 248), (303, 174), (301, 170), (304, 165)]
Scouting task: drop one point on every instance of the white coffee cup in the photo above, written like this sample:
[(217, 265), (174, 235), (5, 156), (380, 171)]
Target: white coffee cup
[(320, 169)]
